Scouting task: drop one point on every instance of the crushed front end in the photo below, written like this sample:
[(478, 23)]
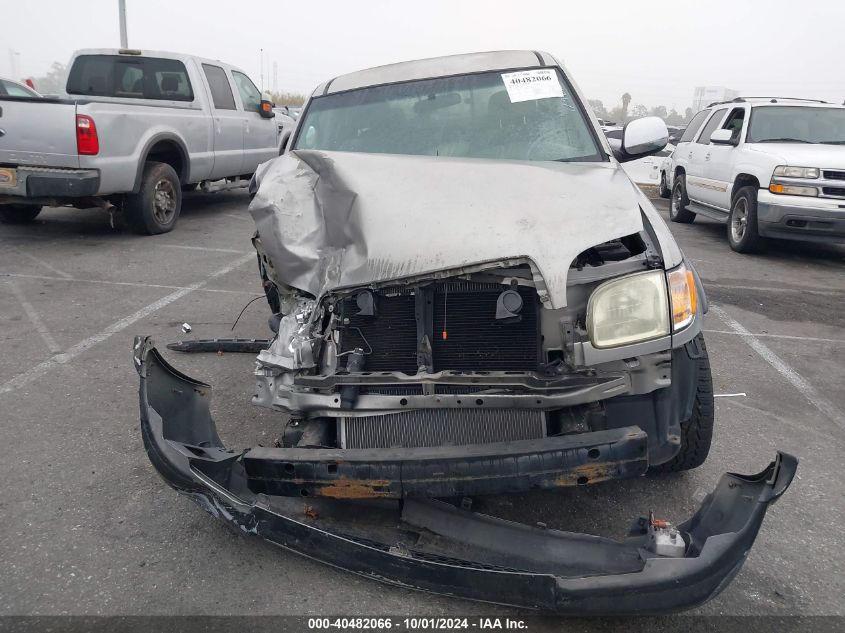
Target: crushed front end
[(469, 382), (434, 546), (450, 342)]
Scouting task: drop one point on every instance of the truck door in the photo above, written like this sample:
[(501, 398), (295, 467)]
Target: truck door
[(720, 161), (261, 136), (680, 157), (698, 184), (228, 124)]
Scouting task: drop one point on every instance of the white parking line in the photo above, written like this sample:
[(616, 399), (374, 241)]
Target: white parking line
[(41, 262), (203, 248), (799, 382), (65, 357), (812, 339), (34, 317), (814, 291), (137, 284)]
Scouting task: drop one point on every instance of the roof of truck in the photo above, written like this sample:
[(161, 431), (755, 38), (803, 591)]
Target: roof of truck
[(129, 53), (436, 67), (756, 102)]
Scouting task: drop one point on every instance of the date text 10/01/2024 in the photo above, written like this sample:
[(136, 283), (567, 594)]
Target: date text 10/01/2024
[(417, 623)]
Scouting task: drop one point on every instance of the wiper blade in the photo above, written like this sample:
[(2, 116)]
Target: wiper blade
[(832, 142), (784, 140)]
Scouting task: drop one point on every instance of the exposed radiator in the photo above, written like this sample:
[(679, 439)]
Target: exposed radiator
[(438, 427), (474, 340)]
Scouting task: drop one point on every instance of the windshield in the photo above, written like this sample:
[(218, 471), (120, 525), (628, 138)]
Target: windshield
[(531, 117), (796, 124)]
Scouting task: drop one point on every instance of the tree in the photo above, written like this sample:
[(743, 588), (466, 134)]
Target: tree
[(287, 98), (659, 111), (639, 111), (626, 99), (53, 82), (674, 118), (688, 114), (618, 115), (598, 108)]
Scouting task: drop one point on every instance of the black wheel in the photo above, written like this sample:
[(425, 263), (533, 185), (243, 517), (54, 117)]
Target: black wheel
[(697, 431), (742, 222), (678, 204), (664, 188), (18, 213), (155, 208)]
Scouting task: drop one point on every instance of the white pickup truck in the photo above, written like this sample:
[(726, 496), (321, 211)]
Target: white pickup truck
[(766, 167), (132, 130)]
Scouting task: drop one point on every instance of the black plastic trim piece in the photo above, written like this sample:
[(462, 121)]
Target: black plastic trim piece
[(475, 557)]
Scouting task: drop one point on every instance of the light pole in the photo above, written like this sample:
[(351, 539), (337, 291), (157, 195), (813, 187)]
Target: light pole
[(121, 5)]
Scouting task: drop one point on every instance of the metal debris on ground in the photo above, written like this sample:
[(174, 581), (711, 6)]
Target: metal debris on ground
[(186, 327)]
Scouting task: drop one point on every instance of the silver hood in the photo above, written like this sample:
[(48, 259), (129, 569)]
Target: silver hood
[(331, 220)]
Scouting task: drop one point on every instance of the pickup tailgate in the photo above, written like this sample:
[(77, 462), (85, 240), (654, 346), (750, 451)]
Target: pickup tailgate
[(38, 132)]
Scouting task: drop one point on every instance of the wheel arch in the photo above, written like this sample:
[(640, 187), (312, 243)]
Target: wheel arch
[(744, 180), (164, 148)]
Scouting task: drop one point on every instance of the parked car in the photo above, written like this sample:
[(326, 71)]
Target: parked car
[(131, 131), (10, 88), (766, 167), (291, 111), (643, 171), (470, 297)]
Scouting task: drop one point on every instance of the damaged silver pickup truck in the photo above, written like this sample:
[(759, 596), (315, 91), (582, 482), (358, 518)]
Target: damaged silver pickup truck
[(470, 297)]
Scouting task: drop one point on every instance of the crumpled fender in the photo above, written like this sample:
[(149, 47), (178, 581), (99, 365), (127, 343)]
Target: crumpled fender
[(443, 549)]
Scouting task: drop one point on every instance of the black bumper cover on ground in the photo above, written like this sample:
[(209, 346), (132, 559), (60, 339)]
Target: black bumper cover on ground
[(435, 547)]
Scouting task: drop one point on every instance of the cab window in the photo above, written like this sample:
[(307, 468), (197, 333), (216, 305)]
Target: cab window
[(712, 124), (221, 91), (693, 127), (129, 77), (250, 95), (734, 122)]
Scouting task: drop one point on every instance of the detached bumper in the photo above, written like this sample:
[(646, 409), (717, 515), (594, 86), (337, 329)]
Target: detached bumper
[(435, 547), (800, 218)]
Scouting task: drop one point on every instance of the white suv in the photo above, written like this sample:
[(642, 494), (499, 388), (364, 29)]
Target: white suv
[(767, 167)]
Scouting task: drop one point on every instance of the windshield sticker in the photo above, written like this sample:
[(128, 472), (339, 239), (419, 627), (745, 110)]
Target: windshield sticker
[(527, 85)]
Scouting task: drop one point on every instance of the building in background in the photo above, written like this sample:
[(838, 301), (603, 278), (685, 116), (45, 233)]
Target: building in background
[(703, 96)]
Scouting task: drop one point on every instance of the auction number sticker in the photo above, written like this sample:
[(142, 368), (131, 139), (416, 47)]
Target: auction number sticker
[(526, 85)]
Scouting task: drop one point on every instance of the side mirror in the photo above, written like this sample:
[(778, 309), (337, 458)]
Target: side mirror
[(642, 137), (724, 137), (265, 109)]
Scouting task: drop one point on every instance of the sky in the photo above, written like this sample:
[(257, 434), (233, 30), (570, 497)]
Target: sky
[(657, 51)]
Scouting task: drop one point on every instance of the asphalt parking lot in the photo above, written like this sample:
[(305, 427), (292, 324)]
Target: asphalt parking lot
[(89, 527)]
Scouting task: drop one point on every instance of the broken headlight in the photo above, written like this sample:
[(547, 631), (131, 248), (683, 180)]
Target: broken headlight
[(629, 310)]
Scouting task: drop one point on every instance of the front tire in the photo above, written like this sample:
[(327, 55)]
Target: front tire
[(742, 222), (156, 206), (663, 190), (678, 204), (697, 430), (18, 213)]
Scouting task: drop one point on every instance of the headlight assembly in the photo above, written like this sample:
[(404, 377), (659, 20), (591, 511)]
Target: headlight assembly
[(641, 307), (629, 310), (785, 171)]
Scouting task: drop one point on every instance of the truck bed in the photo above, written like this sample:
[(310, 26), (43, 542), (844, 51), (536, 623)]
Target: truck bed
[(38, 132)]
